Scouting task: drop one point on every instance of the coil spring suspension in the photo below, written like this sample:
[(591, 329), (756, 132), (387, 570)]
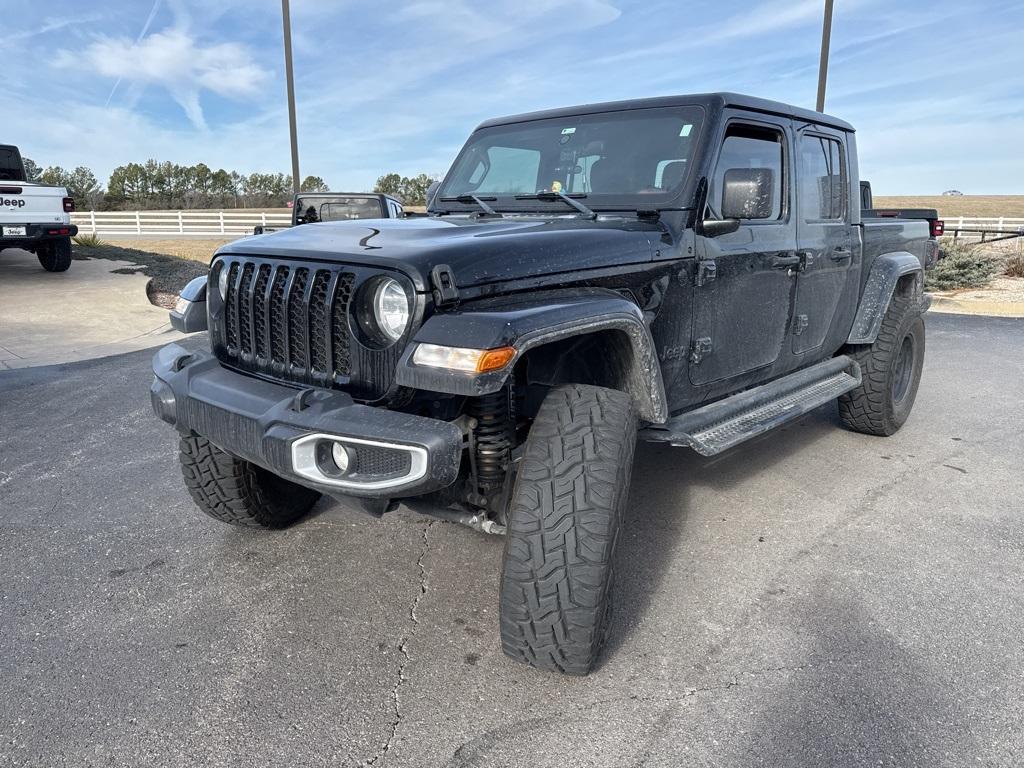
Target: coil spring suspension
[(494, 437)]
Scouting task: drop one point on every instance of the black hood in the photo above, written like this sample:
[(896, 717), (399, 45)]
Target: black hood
[(479, 251)]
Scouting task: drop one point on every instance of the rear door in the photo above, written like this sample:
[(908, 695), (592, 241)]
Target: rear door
[(823, 234), (743, 292)]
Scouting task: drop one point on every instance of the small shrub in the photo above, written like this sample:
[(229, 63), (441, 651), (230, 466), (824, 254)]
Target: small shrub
[(961, 266), (88, 241), (1015, 265)]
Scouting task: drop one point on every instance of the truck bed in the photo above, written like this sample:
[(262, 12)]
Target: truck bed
[(888, 234)]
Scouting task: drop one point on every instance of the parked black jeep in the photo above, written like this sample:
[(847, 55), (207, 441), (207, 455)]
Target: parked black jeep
[(315, 207), (693, 270)]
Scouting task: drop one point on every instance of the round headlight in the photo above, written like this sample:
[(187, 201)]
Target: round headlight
[(391, 308), (222, 281)]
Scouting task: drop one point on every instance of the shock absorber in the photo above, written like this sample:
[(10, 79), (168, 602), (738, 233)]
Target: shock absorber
[(494, 437)]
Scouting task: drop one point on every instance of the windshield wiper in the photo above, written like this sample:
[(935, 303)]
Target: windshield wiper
[(469, 199), (560, 195)]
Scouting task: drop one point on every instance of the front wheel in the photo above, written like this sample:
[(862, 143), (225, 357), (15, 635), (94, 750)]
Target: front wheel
[(238, 492), (891, 372), (55, 255), (563, 523)]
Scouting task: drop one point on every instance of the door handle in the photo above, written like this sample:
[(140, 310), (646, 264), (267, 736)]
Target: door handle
[(785, 262), (841, 254)]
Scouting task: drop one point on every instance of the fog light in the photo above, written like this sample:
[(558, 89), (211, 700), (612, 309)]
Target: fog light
[(340, 455)]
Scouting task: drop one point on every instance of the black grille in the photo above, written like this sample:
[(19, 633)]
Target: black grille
[(377, 461), (291, 321)]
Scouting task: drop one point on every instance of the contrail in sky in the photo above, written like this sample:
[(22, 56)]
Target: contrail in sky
[(142, 34)]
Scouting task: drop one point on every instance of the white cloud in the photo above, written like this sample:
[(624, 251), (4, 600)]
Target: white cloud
[(174, 60)]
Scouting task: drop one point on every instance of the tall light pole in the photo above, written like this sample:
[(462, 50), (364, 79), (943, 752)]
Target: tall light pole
[(826, 37), (291, 93)]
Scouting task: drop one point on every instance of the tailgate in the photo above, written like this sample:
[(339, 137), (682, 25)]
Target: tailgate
[(31, 204)]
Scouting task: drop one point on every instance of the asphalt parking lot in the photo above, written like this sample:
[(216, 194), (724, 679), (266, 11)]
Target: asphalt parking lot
[(816, 597)]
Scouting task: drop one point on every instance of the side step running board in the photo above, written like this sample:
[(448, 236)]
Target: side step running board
[(723, 424)]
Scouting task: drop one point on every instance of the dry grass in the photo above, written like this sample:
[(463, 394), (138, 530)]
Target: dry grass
[(966, 205), (194, 249)]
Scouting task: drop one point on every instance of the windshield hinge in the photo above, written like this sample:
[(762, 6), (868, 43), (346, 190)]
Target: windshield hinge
[(707, 270), (700, 349), (445, 290)]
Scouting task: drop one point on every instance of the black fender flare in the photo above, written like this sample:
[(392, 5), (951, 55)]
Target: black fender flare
[(886, 271), (529, 323)]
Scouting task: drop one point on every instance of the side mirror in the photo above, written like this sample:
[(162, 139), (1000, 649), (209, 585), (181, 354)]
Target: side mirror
[(431, 191), (747, 193), (716, 227), (189, 313)]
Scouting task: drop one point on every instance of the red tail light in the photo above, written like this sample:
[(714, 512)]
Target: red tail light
[(69, 204), (938, 227)]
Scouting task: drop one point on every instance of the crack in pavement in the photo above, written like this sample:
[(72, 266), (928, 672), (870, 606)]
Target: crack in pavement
[(403, 648)]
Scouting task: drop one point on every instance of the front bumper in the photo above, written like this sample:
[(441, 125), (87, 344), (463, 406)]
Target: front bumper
[(280, 428)]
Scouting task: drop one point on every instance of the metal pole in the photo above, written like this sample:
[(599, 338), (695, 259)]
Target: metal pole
[(826, 36), (291, 93)]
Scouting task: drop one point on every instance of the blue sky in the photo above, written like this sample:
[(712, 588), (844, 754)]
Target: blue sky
[(935, 89)]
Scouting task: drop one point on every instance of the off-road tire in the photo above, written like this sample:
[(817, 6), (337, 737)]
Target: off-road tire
[(882, 402), (55, 256), (238, 492), (563, 524)]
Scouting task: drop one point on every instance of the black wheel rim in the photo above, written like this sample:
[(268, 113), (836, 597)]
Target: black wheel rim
[(903, 370)]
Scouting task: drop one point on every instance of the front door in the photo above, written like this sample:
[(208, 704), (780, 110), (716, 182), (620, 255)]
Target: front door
[(745, 279), (823, 236)]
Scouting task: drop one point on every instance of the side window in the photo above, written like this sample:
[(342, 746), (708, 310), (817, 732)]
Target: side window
[(507, 170), (822, 179), (753, 148)]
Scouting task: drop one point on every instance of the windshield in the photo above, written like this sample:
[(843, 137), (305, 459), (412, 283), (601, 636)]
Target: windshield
[(630, 159), (11, 168), (311, 209)]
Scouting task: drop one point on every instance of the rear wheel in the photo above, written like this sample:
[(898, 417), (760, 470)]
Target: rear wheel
[(891, 372), (238, 492), (55, 255), (563, 523)]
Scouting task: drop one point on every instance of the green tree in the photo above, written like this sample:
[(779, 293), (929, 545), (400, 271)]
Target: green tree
[(313, 184), (389, 184), (414, 190), (128, 184), (83, 185), (410, 191), (54, 175), (32, 171)]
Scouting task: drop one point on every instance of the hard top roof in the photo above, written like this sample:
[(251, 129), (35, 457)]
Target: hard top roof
[(709, 100)]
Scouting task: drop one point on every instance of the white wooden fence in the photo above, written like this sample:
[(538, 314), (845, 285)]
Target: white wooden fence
[(980, 228), (195, 222), (241, 222)]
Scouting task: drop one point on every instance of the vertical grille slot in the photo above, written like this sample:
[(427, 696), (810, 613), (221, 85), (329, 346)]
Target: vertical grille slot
[(319, 327), (259, 312), (297, 319), (245, 311), (339, 326), (278, 325), (231, 331)]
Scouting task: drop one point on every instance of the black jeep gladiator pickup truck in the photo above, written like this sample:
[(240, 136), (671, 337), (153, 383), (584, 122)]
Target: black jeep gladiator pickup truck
[(693, 270)]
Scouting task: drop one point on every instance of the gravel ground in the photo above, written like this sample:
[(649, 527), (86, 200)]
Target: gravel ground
[(812, 598)]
